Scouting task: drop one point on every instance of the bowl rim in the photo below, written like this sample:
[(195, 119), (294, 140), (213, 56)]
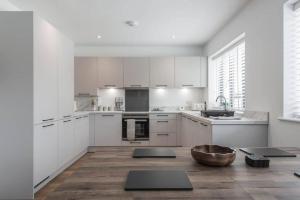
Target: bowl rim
[(193, 149)]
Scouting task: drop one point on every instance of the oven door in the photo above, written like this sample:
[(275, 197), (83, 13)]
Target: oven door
[(141, 129)]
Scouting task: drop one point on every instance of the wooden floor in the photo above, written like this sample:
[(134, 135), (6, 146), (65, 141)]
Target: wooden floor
[(102, 174)]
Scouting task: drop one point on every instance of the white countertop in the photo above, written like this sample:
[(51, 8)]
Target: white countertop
[(191, 114)]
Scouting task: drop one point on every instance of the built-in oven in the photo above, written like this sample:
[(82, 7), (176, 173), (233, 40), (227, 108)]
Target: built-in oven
[(139, 127)]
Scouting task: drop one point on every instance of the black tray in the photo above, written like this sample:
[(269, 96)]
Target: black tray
[(154, 153), (157, 180), (267, 152)]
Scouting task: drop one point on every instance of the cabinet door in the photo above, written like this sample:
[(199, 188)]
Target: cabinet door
[(81, 132), (204, 133), (162, 72), (187, 71), (159, 139), (136, 72), (66, 141), (203, 73), (86, 77), (163, 125), (110, 72), (108, 129), (86, 131), (45, 72), (66, 76), (45, 151)]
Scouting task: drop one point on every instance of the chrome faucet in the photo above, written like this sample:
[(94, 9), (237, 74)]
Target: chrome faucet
[(225, 103)]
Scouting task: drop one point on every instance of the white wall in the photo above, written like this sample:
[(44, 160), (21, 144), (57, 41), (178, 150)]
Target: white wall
[(131, 51), (5, 5), (262, 21), (16, 105)]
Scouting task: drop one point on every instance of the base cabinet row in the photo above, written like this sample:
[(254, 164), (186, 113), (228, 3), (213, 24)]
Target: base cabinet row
[(56, 144)]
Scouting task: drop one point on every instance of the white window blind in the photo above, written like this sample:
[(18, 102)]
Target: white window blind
[(292, 62), (230, 75)]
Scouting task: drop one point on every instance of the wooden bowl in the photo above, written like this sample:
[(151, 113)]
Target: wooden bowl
[(213, 155)]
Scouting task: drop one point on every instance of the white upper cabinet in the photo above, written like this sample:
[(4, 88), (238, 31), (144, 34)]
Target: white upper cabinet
[(66, 76), (86, 76), (136, 72), (162, 72), (45, 71), (187, 71), (110, 72)]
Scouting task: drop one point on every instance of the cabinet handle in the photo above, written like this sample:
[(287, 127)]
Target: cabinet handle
[(108, 115), (48, 125), (84, 94), (162, 134), (203, 124), (162, 121), (67, 116), (135, 143), (78, 117), (161, 85), (184, 85), (109, 85), (37, 185), (194, 121), (46, 120), (67, 121), (135, 85), (162, 115)]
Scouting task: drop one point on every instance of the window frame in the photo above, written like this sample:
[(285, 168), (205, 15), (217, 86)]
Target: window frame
[(212, 70), (289, 8)]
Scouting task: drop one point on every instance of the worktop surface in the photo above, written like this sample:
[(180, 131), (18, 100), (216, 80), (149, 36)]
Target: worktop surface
[(195, 115)]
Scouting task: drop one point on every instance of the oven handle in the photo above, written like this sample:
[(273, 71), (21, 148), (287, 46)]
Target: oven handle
[(138, 120)]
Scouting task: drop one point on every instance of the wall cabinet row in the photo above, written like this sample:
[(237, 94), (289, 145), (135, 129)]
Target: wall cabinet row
[(92, 73)]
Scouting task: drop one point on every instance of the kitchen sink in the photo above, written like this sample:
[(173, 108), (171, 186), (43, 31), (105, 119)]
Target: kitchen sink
[(217, 113)]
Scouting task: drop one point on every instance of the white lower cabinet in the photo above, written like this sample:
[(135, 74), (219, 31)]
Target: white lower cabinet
[(108, 129), (66, 141), (81, 132), (163, 130), (195, 132), (45, 151)]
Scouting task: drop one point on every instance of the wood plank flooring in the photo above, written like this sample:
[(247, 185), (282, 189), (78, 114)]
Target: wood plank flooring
[(102, 174)]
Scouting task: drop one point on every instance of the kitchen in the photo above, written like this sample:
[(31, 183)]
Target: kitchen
[(86, 85)]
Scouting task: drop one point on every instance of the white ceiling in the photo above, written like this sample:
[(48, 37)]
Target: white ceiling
[(193, 22)]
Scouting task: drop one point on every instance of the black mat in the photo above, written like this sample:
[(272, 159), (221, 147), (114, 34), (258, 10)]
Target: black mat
[(154, 153), (267, 152), (158, 180)]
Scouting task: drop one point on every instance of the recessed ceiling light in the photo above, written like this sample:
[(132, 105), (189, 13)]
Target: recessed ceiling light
[(132, 23), (99, 36), (173, 37)]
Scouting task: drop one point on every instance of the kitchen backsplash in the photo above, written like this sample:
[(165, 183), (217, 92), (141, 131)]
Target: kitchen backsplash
[(167, 99)]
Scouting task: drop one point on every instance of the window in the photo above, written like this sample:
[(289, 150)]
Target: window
[(292, 60), (229, 75)]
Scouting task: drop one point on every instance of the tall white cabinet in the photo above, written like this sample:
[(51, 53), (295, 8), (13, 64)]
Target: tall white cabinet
[(45, 71)]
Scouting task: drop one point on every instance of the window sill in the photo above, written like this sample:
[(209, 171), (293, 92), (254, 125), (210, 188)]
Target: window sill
[(297, 120)]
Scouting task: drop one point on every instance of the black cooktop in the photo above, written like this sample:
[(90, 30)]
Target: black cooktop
[(157, 180), (154, 153)]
